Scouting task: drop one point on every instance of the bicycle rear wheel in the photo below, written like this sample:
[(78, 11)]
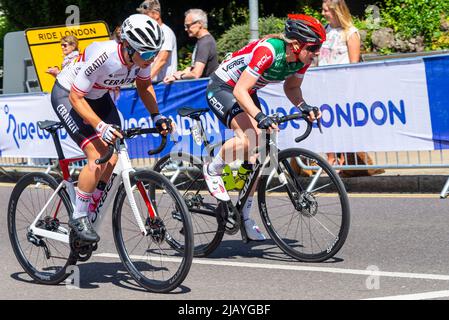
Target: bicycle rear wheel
[(185, 172), (43, 259), (161, 260), (306, 212)]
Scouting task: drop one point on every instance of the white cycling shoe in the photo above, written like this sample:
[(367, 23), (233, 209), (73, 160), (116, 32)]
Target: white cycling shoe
[(215, 184), (252, 231)]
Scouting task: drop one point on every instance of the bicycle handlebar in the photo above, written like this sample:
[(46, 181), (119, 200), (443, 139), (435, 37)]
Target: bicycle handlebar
[(107, 156), (130, 133), (296, 116)]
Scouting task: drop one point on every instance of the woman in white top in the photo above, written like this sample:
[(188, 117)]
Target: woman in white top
[(342, 45)]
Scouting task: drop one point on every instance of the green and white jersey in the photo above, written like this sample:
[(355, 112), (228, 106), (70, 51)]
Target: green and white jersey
[(264, 59)]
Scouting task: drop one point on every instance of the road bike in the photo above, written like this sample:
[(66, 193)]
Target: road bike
[(302, 201), (147, 214)]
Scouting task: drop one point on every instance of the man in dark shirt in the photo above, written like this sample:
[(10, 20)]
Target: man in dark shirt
[(204, 58)]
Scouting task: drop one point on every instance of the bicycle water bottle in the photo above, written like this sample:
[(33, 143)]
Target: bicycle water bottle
[(242, 174), (228, 178)]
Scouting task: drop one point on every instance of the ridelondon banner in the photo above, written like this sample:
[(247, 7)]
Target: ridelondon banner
[(400, 105)]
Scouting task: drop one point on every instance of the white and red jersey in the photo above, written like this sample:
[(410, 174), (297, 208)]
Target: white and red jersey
[(264, 59), (99, 69)]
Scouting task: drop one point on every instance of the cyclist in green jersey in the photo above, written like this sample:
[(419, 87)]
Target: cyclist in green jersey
[(232, 94)]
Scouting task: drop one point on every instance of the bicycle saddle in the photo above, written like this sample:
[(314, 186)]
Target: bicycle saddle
[(191, 112), (49, 125)]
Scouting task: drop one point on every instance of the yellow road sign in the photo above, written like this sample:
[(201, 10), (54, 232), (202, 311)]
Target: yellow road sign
[(45, 46)]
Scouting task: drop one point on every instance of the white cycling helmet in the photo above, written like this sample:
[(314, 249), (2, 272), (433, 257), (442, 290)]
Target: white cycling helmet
[(142, 33)]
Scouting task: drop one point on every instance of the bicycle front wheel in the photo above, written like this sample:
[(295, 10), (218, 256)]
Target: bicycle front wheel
[(160, 260), (304, 206), (43, 259)]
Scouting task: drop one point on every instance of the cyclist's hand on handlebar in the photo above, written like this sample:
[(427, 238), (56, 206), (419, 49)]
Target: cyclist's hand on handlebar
[(313, 113), (266, 122), (163, 125), (107, 132)]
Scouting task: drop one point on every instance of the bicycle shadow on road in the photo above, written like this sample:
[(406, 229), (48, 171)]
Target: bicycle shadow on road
[(267, 249), (110, 272), (93, 274)]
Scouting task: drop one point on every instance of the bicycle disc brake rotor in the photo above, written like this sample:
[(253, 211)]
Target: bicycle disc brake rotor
[(307, 204), (156, 229)]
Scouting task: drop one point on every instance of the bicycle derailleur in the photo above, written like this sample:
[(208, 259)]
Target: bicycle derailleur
[(49, 224)]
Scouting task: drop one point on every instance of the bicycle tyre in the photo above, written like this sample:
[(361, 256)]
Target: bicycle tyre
[(335, 230), (204, 245), (15, 213), (134, 263)]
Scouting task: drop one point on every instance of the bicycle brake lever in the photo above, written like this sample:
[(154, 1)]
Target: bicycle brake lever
[(318, 121)]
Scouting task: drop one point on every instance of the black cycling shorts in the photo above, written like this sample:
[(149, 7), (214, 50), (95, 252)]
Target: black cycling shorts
[(222, 102), (80, 131)]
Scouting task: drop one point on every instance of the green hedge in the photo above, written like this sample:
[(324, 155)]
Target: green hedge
[(238, 36), (408, 19)]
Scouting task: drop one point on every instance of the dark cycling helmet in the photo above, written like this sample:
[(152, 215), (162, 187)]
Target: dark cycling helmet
[(305, 29), (142, 33)]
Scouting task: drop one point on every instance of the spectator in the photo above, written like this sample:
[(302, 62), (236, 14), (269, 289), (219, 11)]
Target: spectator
[(69, 45), (166, 62), (204, 58), (342, 46), (116, 34)]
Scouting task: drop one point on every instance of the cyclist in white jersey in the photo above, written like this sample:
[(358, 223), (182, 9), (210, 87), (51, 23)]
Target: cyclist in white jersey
[(232, 94), (81, 99)]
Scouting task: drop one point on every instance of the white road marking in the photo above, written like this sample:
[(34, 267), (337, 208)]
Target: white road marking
[(416, 296), (330, 195), (424, 276)]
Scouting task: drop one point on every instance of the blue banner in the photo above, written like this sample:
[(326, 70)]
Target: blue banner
[(437, 74)]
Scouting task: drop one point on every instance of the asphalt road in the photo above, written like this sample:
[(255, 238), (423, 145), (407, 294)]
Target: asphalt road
[(398, 247)]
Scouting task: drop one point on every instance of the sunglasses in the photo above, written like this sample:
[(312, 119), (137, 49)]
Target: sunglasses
[(148, 55), (188, 25), (313, 48), (65, 45)]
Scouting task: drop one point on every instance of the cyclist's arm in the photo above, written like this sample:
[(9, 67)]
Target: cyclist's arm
[(241, 93), (82, 85), (147, 94), (83, 108), (292, 89)]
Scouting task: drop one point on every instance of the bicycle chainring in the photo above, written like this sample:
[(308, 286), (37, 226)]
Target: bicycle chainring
[(231, 217), (81, 250)]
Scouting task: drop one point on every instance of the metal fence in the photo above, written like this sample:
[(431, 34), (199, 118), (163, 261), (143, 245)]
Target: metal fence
[(435, 161)]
